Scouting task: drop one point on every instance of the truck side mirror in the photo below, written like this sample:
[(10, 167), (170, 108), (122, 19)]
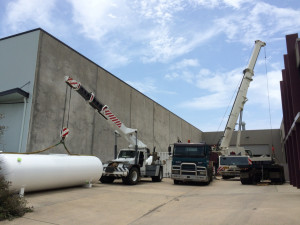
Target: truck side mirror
[(169, 150)]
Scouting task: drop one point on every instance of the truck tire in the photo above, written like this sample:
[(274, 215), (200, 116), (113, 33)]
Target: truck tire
[(276, 174), (133, 177), (159, 177), (245, 177), (256, 176), (107, 179), (176, 181), (245, 181), (211, 176)]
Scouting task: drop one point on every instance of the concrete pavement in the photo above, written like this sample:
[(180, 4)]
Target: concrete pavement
[(221, 202)]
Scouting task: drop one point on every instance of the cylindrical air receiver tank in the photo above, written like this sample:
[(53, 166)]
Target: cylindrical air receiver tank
[(34, 172)]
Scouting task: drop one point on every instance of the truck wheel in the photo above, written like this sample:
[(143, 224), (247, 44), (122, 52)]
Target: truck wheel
[(211, 176), (107, 179), (133, 177), (176, 181), (245, 181), (256, 176), (159, 177)]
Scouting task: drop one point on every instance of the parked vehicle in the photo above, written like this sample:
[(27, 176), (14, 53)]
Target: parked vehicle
[(132, 163), (191, 162)]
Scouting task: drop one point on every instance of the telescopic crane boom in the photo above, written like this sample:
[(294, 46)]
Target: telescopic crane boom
[(128, 133), (241, 98)]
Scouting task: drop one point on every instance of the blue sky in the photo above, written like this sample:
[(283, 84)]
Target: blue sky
[(187, 55)]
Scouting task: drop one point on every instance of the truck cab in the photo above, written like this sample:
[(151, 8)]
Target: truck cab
[(228, 165), (191, 162), (130, 165)]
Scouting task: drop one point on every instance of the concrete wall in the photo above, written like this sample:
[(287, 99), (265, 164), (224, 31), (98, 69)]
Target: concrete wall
[(89, 132), (18, 56), (252, 138)]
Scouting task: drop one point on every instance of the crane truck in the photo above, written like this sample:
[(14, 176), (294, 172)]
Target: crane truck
[(237, 161), (132, 163), (191, 162)]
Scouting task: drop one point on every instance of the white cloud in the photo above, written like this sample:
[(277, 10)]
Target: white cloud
[(147, 24), (98, 18), (148, 87), (160, 11), (164, 46), (185, 63), (19, 13), (259, 20), (235, 3), (220, 81), (171, 76), (208, 102), (264, 88), (206, 3), (220, 86), (115, 59)]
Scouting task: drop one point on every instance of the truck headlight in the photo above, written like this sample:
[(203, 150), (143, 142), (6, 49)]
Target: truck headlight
[(201, 173)]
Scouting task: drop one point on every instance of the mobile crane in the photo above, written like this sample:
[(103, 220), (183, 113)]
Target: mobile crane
[(237, 161), (131, 164), (231, 157)]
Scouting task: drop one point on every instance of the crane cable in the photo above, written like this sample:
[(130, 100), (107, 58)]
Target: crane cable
[(65, 129), (269, 104), (62, 141), (68, 118), (229, 104)]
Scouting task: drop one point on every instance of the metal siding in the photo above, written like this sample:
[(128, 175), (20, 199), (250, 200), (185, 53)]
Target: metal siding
[(18, 56), (290, 94)]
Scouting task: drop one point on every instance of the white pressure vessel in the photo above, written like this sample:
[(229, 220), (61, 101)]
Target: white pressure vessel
[(34, 172)]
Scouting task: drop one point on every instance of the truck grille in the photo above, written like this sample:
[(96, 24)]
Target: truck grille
[(188, 169)]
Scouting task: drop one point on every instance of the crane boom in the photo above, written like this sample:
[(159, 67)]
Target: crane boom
[(241, 98), (128, 133)]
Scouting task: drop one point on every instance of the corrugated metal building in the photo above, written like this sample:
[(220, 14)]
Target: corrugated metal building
[(290, 94)]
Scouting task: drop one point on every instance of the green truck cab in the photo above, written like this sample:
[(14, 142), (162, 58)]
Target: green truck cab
[(191, 162)]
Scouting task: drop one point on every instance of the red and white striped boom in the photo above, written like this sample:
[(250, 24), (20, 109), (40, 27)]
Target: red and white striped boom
[(128, 133)]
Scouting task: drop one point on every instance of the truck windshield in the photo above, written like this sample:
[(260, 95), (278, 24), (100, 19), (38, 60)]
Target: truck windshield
[(127, 154), (189, 151), (234, 160)]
